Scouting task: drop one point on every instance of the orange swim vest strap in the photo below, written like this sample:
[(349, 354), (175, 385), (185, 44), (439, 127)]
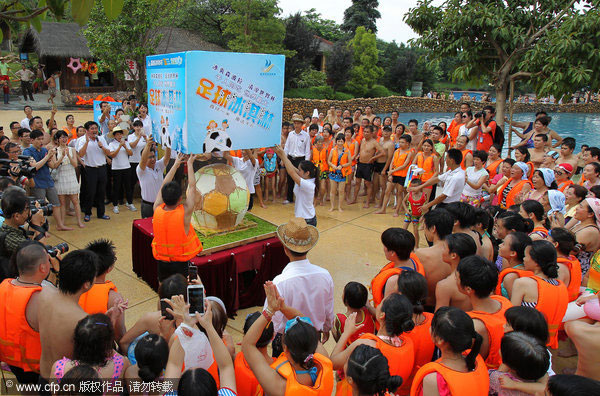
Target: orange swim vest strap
[(552, 302), (95, 300), (475, 383), (171, 242), (574, 267), (323, 386), (520, 273)]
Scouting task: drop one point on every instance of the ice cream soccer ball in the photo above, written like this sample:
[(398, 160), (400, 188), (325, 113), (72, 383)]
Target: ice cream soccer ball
[(225, 198), (217, 141)]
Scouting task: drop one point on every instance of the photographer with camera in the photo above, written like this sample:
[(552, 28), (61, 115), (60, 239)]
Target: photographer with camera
[(19, 170), (486, 127)]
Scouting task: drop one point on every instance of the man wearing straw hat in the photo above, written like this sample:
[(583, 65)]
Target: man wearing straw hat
[(297, 148), (304, 286)]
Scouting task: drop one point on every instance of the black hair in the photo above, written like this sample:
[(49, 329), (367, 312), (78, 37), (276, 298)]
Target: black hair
[(482, 155), (267, 333), (398, 314), (60, 133), (439, 129), (413, 285), (479, 274), (455, 155), (594, 152), (539, 113), (368, 128), (36, 133), (463, 213), (596, 167), (534, 207), (138, 123), (14, 200), (572, 385), (105, 249), (515, 222), (69, 115), (32, 120), (339, 136), (407, 138), (286, 124), (171, 192), (93, 340), (465, 104), (369, 370), (72, 382), (491, 109), (529, 321), (174, 285), (301, 341), (525, 151), (313, 172), (89, 124), (455, 327), (553, 185), (525, 355), (6, 182), (461, 244), (565, 239), (580, 191), (542, 136), (313, 127), (26, 106), (544, 254), (151, 354), (509, 161), (518, 242), (468, 112), (400, 241), (569, 142), (594, 189), (497, 147), (77, 268), (355, 295), (441, 219), (21, 131), (197, 382), (428, 141), (387, 128), (413, 121), (9, 145), (219, 318), (29, 256), (482, 217)]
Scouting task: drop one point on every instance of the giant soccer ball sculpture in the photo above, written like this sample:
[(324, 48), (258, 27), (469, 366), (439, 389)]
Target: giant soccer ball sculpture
[(225, 198)]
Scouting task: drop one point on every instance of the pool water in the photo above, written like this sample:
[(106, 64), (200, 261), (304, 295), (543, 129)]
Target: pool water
[(585, 128)]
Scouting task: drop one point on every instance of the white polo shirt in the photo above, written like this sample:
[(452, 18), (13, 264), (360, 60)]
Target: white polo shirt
[(454, 183), (304, 194), (147, 124), (136, 157), (25, 123), (151, 180), (94, 156), (121, 160)]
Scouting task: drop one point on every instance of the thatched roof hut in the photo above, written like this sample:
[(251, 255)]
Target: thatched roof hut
[(61, 40)]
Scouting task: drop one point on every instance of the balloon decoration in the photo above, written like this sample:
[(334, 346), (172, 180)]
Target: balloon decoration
[(84, 66), (92, 68), (74, 65)]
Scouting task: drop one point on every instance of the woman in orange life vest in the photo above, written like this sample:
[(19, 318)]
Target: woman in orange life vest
[(319, 157), (534, 211), (453, 332), (368, 373), (542, 181), (512, 251), (562, 173), (394, 316), (497, 181), (512, 191), (195, 378), (522, 155), (542, 291), (569, 268), (339, 163), (151, 356), (303, 368), (461, 144), (429, 162), (351, 145)]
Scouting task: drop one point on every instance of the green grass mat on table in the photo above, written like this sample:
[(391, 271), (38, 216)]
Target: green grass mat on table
[(262, 227)]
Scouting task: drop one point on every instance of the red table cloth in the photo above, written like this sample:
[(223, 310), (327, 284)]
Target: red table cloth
[(220, 272)]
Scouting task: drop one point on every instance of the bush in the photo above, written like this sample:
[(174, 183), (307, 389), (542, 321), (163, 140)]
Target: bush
[(311, 78), (378, 91), (320, 92), (342, 96)]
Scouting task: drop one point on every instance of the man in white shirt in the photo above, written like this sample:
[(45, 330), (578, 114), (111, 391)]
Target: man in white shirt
[(103, 119), (304, 286), (453, 180), (28, 116), (297, 148), (93, 151), (150, 173)]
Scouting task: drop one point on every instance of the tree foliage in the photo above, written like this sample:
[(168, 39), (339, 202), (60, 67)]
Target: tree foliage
[(339, 61), (301, 40), (129, 36), (325, 28), (361, 13), (365, 72), (254, 27), (207, 17)]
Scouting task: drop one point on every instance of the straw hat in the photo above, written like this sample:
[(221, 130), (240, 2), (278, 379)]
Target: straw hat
[(118, 128), (298, 236), (297, 118)]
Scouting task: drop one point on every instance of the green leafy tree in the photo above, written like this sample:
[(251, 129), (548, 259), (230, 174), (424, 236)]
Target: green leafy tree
[(553, 42), (207, 17), (254, 27), (361, 13), (325, 28), (130, 36), (339, 61), (301, 40), (365, 72)]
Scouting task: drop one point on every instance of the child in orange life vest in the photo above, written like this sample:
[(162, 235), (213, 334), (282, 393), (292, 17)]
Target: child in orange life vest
[(318, 157), (458, 246), (339, 162), (270, 167), (542, 291), (412, 208), (103, 294), (246, 381), (569, 268), (355, 299), (453, 332), (368, 373), (534, 211), (477, 279), (512, 251), (397, 174)]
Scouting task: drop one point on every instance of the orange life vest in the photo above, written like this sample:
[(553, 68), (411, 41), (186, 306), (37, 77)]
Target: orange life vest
[(245, 380), (552, 302), (542, 231), (398, 160), (427, 164), (564, 185), (474, 383), (424, 347), (512, 194), (574, 267), (453, 130), (494, 324), (378, 282), (520, 273), (345, 158), (95, 300), (20, 345), (323, 385), (401, 360), (71, 133), (463, 163), (531, 169), (236, 153), (493, 167), (352, 148), (171, 242), (319, 158)]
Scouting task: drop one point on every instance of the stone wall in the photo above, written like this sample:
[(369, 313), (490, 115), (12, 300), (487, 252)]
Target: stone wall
[(418, 105)]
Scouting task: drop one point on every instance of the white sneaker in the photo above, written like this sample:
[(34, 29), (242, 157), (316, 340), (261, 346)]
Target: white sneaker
[(116, 209), (286, 202), (131, 207)]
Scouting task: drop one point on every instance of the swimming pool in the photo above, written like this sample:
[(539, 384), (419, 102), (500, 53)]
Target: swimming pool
[(585, 128)]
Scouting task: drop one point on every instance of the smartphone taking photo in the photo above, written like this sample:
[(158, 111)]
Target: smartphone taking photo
[(163, 310), (195, 297), (192, 272)]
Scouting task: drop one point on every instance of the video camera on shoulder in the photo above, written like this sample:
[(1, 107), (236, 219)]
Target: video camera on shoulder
[(45, 206), (25, 169)]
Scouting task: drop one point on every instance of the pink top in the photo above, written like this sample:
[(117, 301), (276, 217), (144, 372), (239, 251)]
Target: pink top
[(117, 359)]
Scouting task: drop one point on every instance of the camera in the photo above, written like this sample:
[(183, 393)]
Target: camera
[(479, 115), (22, 163), (45, 207), (58, 249)]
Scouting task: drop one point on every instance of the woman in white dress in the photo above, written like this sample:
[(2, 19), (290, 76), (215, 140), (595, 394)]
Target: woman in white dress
[(66, 183)]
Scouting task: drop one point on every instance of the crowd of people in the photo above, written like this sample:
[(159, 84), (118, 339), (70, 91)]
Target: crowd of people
[(510, 266)]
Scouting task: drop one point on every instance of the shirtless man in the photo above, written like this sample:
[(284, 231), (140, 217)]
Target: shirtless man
[(383, 163), (537, 127), (464, 220), (369, 151), (438, 224), (357, 116), (414, 133), (457, 247), (369, 113), (585, 334), (395, 121), (566, 152), (539, 150), (285, 131)]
